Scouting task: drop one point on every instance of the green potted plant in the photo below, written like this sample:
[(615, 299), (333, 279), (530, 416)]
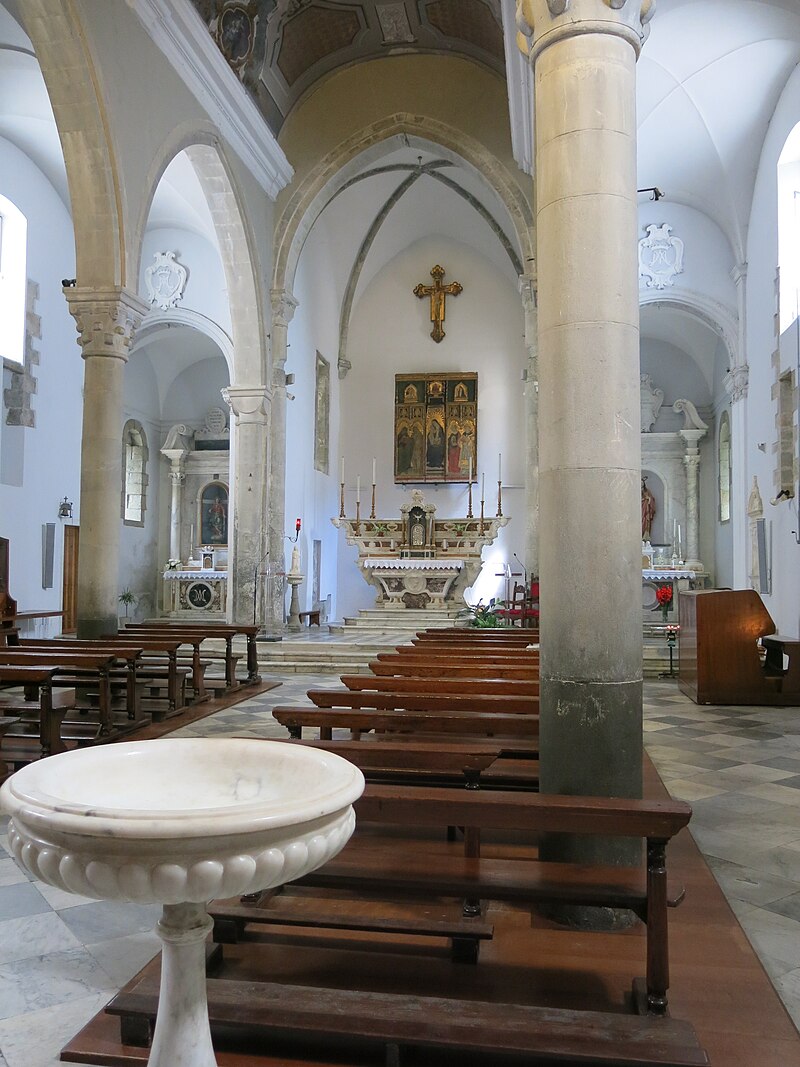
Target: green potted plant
[(128, 598), (483, 616)]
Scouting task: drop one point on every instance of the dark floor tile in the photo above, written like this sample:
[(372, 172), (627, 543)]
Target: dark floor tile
[(788, 906)]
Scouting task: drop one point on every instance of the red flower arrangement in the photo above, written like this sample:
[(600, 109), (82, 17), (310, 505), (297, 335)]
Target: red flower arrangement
[(664, 598)]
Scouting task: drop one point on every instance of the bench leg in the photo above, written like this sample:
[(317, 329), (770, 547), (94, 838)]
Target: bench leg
[(657, 940), (464, 949)]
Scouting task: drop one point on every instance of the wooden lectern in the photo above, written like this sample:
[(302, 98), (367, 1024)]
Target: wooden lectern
[(719, 655)]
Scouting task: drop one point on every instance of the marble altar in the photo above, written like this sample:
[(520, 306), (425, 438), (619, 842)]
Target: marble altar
[(418, 561)]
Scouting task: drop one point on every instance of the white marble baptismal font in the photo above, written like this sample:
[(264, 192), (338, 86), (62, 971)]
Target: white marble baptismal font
[(180, 822)]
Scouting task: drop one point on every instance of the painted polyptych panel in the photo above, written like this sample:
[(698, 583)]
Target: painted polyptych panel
[(322, 415), (435, 427)]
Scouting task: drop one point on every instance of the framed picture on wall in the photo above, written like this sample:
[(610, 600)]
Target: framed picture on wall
[(435, 427)]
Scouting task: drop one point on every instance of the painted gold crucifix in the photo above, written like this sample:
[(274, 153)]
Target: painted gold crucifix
[(438, 294)]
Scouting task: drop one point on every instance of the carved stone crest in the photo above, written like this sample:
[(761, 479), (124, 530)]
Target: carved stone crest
[(660, 256), (165, 280), (652, 399), (395, 26)]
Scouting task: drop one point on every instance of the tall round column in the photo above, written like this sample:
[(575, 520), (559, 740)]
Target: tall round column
[(283, 309), (584, 54), (107, 320), (527, 288), (250, 405), (176, 479)]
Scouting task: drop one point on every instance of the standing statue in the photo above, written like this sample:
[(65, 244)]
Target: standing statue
[(648, 510)]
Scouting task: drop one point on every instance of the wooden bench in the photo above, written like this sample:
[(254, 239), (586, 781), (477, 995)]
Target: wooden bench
[(397, 667), (645, 892), (73, 669), (312, 617), (445, 684), (777, 646), (496, 724), (38, 732), (226, 631), (387, 1023), (391, 700)]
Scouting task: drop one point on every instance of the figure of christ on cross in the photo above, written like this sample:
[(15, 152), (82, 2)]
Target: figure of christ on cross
[(438, 294)]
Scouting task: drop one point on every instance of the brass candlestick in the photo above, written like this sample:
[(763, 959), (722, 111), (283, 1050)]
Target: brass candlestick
[(358, 516), (480, 523), (469, 504), (499, 500), (341, 500), (372, 513)]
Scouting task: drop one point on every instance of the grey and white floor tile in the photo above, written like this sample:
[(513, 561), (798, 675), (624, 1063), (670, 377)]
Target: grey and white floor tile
[(62, 956)]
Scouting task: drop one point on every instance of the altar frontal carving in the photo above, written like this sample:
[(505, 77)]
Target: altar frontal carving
[(435, 427)]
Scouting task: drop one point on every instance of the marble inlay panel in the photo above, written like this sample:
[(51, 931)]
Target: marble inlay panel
[(44, 981), (34, 935), (104, 919), (19, 900), (36, 1039)]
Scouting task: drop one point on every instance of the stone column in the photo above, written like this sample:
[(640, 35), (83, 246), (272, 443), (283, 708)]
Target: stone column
[(177, 477), (691, 464), (584, 57), (250, 405), (283, 309), (107, 320), (527, 288), (736, 384)]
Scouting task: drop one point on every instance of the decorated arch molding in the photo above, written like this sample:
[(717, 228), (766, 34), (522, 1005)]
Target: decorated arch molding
[(73, 85), (316, 188), (719, 318)]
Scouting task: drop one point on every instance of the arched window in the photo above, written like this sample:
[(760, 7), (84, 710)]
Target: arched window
[(134, 473), (13, 274), (724, 467), (789, 229)]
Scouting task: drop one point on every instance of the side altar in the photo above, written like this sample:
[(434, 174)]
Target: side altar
[(418, 561)]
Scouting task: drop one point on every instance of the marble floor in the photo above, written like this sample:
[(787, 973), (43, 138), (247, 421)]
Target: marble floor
[(62, 957)]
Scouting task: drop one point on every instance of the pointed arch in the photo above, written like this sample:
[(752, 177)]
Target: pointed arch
[(318, 186)]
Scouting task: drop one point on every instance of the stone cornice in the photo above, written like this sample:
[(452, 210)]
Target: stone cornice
[(736, 382), (180, 33), (283, 306), (247, 402)]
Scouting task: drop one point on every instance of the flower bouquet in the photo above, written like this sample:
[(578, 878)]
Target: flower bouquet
[(664, 598)]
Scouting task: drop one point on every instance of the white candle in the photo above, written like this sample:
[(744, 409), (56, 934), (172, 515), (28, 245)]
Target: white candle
[(191, 539), (499, 466), (679, 539), (374, 470), (483, 486), (358, 489), (342, 479), (470, 470)]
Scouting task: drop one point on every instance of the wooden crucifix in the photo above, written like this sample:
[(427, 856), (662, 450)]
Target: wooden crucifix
[(438, 294)]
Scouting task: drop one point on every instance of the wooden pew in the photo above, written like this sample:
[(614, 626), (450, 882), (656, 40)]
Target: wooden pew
[(71, 669), (227, 631), (43, 715), (476, 637), (396, 667), (429, 1026), (191, 638), (445, 684), (645, 892), (127, 659), (391, 700), (516, 726)]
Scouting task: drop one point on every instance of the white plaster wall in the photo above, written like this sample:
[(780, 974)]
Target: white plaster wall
[(311, 495), (762, 255), (50, 466), (389, 334), (194, 391), (206, 290)]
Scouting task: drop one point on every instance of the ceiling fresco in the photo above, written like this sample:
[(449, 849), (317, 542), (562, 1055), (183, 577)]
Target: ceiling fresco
[(280, 48)]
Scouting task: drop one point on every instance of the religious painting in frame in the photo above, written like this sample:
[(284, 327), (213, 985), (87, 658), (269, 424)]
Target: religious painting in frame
[(435, 427), (214, 514), (322, 414)]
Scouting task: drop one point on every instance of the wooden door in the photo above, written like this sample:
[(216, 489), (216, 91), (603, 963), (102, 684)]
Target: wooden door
[(69, 600)]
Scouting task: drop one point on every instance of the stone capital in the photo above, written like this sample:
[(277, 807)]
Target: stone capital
[(691, 461), (107, 319), (283, 306), (736, 382), (248, 402), (541, 23), (177, 477)]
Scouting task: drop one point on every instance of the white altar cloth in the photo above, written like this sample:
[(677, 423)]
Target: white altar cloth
[(391, 563), (666, 574), (171, 576)]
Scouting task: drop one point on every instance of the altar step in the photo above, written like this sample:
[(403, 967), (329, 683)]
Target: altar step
[(389, 621)]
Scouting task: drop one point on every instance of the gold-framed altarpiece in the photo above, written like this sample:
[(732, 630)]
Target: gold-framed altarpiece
[(435, 427)]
